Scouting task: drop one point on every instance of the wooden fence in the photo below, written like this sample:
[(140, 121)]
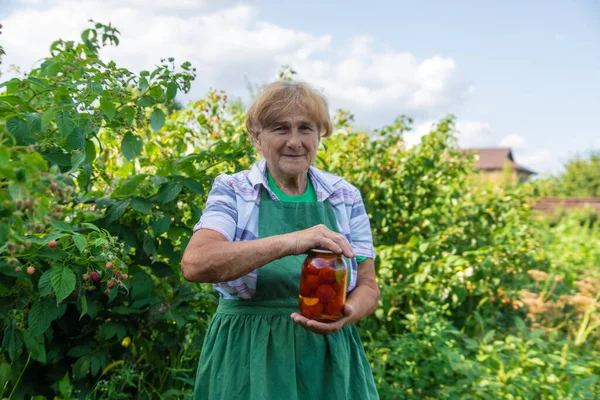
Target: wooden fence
[(550, 204)]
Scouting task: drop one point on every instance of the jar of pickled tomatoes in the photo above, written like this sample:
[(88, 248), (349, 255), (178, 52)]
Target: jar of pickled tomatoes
[(323, 286)]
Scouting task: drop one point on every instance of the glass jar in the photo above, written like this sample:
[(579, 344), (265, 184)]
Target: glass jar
[(323, 286)]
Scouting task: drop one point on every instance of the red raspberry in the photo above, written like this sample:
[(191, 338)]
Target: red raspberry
[(94, 276)]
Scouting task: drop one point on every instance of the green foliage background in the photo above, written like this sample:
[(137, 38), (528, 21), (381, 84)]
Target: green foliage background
[(479, 299)]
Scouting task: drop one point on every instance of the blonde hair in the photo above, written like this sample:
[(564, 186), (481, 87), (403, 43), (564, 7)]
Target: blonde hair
[(281, 98)]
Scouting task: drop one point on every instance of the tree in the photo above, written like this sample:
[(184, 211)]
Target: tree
[(582, 176)]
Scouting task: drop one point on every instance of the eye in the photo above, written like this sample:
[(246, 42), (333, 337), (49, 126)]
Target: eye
[(279, 129)]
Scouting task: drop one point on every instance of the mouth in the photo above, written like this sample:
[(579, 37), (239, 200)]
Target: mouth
[(293, 156)]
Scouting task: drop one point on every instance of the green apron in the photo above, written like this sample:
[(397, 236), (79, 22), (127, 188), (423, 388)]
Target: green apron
[(254, 350)]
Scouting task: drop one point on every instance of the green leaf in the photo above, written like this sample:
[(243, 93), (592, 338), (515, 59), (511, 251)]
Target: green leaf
[(143, 83), (98, 362), (115, 211), (193, 185), (141, 205), (61, 226), (90, 152), (168, 192), (58, 157), (35, 160), (520, 324), (108, 108), (111, 329), (76, 140), (45, 285), (65, 386), (126, 310), (128, 114), (162, 270), (131, 146), (141, 285), (4, 229), (41, 315), (90, 226), (95, 87), (157, 119), (18, 128), (81, 350), (34, 122), (13, 340), (81, 367), (80, 241), (35, 345), (5, 372), (63, 281), (149, 246), (77, 158), (52, 68), (171, 91), (47, 117), (84, 307), (161, 225), (4, 157), (488, 337), (65, 123), (145, 101)]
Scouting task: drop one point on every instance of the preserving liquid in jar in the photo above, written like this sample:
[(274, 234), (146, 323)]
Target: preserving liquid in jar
[(323, 284)]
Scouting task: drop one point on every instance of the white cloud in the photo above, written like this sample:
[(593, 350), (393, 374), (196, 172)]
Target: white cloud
[(228, 43), (469, 133), (543, 160), (513, 141)]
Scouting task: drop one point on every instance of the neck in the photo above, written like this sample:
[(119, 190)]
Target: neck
[(290, 185)]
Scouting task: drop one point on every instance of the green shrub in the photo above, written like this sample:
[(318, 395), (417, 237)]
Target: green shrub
[(103, 179)]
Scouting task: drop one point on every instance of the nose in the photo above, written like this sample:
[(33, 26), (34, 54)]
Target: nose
[(294, 140)]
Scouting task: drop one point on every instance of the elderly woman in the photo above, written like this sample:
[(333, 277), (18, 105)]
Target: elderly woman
[(250, 243)]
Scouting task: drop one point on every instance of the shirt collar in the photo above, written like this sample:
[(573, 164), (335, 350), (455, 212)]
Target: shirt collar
[(322, 181)]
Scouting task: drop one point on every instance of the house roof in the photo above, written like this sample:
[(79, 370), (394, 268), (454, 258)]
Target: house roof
[(494, 158)]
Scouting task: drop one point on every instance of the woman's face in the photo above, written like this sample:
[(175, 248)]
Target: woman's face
[(289, 145)]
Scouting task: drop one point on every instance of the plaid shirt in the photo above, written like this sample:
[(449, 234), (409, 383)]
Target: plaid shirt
[(232, 210)]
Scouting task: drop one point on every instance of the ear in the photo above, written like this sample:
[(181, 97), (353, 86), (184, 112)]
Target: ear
[(256, 140)]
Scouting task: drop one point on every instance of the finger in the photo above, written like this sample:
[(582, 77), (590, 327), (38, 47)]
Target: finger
[(315, 326), (299, 318), (330, 244), (303, 322), (348, 309), (325, 328), (341, 241)]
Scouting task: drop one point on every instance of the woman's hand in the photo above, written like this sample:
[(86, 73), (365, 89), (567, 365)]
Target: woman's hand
[(319, 236), (324, 328)]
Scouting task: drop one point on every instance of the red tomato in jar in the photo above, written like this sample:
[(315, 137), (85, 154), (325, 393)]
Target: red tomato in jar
[(312, 281), (312, 270), (335, 307), (325, 293), (338, 288), (327, 275), (305, 291), (311, 312)]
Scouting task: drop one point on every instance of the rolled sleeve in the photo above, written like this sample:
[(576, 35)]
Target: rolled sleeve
[(220, 213), (360, 228)]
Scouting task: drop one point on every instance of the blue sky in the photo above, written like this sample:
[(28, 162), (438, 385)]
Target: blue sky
[(524, 74)]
